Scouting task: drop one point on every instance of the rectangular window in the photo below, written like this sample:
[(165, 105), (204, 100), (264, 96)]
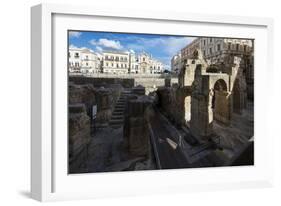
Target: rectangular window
[(229, 46), (245, 48), (210, 50), (218, 47), (237, 47)]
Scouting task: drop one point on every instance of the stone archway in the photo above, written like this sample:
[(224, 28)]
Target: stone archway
[(220, 102)]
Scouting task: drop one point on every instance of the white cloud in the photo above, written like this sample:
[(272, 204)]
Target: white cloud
[(174, 45), (71, 46), (98, 48), (74, 34), (107, 43), (170, 45)]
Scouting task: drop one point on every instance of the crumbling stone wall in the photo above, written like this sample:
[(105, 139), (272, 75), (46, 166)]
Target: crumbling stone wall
[(102, 82), (208, 103), (221, 108), (136, 132), (85, 94), (79, 137), (104, 98), (200, 124), (173, 102)]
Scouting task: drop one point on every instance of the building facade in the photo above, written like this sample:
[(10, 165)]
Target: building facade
[(134, 64), (149, 65), (214, 49), (187, 51), (83, 61), (86, 61), (115, 62), (75, 60)]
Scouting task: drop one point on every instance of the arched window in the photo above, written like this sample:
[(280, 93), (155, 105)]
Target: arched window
[(220, 85)]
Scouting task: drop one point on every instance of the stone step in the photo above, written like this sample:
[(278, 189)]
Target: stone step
[(117, 117), (117, 113), (115, 126), (120, 103), (119, 110), (100, 125), (116, 122)]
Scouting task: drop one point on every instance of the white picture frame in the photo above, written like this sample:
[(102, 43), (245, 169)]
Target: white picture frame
[(49, 181)]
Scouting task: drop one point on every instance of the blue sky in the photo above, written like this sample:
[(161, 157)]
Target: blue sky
[(162, 47)]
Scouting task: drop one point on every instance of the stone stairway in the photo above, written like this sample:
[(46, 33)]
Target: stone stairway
[(117, 117)]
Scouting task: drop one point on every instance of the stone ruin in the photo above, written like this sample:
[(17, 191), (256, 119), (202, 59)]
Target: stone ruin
[(206, 92), (79, 137), (136, 132), (104, 98), (81, 100)]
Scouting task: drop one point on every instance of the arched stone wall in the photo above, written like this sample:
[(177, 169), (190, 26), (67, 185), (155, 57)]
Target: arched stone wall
[(221, 102)]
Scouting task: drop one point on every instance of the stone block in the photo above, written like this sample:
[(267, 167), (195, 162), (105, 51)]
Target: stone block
[(79, 136)]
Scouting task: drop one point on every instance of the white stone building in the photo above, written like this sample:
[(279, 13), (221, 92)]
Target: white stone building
[(75, 60), (156, 67), (83, 61), (149, 65), (115, 62), (134, 64)]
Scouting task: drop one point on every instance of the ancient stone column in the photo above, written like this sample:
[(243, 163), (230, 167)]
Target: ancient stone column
[(136, 132)]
